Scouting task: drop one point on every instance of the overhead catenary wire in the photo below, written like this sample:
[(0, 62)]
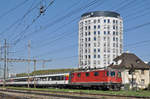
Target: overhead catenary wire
[(82, 8), (125, 5), (21, 34), (19, 20), (65, 24), (12, 9), (137, 27), (66, 16)]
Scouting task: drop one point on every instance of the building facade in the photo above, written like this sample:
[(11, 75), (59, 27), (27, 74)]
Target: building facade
[(100, 39)]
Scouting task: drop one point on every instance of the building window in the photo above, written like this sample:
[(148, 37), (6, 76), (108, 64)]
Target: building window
[(104, 50), (104, 20), (85, 39), (94, 21), (85, 22), (142, 81), (94, 26), (113, 21), (117, 45), (113, 27), (104, 32), (86, 56), (89, 21), (108, 32), (113, 38), (89, 51), (108, 38), (117, 27), (94, 62), (113, 44), (89, 39), (89, 27), (85, 50), (85, 33), (89, 62), (85, 62), (117, 21), (94, 56), (142, 72), (98, 44), (98, 50), (94, 50), (98, 26), (94, 38), (94, 32), (89, 45), (89, 33), (113, 32), (94, 44), (116, 39), (104, 38), (98, 62), (89, 56), (85, 27), (98, 32), (116, 33), (98, 56), (85, 45), (108, 21)]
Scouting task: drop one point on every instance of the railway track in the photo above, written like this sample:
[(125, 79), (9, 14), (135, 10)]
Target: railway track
[(71, 95)]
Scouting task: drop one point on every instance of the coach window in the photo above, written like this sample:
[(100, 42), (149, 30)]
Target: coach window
[(87, 74), (79, 74), (96, 73)]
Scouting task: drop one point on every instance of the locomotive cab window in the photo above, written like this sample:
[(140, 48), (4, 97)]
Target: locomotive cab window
[(72, 75), (96, 73), (107, 73), (87, 74), (79, 74), (113, 73)]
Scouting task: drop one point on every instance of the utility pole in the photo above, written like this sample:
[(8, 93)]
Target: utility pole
[(29, 49), (7, 69), (43, 65), (44, 61), (5, 62), (34, 73)]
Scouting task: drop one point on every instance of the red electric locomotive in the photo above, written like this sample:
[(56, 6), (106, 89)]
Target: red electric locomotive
[(99, 79)]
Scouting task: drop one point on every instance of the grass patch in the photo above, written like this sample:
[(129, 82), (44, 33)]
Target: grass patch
[(126, 93)]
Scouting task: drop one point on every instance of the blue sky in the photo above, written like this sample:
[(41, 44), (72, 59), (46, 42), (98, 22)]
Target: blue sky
[(55, 34)]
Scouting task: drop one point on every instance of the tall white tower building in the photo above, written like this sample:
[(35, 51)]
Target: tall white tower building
[(100, 38)]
